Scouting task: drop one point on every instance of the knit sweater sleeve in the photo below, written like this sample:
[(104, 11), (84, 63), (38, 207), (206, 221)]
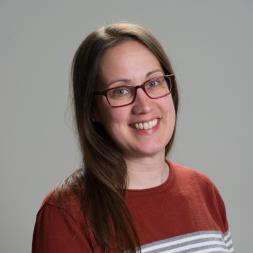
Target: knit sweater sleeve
[(220, 207), (56, 230)]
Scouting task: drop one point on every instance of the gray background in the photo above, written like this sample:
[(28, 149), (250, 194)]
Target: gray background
[(210, 45)]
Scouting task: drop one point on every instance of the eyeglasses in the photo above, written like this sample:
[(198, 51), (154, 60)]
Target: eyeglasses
[(156, 87)]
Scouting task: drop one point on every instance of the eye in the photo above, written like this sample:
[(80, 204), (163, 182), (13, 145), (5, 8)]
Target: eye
[(153, 83), (119, 92)]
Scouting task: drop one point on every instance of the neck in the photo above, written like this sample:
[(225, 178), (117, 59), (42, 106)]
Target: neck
[(146, 172)]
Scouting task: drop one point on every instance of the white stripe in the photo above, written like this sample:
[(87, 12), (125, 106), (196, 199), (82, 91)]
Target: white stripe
[(216, 249), (197, 245), (229, 243), (228, 240), (187, 239), (227, 235), (224, 240)]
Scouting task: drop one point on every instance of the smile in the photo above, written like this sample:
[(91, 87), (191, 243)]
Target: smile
[(146, 125)]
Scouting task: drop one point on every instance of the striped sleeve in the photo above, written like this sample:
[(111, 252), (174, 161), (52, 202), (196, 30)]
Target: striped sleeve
[(198, 242)]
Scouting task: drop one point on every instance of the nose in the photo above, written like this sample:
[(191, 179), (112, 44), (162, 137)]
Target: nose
[(142, 103)]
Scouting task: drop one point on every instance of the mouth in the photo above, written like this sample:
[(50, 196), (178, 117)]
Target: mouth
[(145, 125)]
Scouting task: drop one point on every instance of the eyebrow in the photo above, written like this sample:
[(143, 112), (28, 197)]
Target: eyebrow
[(128, 80)]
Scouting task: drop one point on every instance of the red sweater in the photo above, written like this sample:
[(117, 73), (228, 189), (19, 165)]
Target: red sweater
[(184, 214)]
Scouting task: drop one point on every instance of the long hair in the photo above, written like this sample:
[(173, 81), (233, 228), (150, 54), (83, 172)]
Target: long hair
[(101, 182)]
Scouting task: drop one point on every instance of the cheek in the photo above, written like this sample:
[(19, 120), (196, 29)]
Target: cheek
[(169, 111), (168, 107), (112, 118), (103, 111)]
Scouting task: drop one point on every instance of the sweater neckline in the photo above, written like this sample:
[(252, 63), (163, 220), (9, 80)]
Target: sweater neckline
[(162, 187)]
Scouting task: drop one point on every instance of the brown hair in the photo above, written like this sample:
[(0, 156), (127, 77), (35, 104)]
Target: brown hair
[(103, 176)]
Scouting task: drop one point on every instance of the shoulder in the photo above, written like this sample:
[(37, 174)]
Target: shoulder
[(199, 188), (62, 200), (60, 225), (190, 176), (195, 184)]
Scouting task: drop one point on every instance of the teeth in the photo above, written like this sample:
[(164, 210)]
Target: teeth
[(146, 125)]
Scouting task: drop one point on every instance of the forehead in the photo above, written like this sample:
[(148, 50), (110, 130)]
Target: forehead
[(128, 60)]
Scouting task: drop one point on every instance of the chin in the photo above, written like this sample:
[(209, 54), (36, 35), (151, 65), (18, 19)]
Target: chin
[(149, 150)]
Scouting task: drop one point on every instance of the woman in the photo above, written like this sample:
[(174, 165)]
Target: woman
[(127, 197)]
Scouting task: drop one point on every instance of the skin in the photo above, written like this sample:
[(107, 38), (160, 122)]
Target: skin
[(144, 150)]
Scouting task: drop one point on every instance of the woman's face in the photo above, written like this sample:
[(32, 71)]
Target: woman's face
[(132, 61)]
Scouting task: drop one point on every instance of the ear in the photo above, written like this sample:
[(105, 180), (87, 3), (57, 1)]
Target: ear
[(94, 116), (94, 120)]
